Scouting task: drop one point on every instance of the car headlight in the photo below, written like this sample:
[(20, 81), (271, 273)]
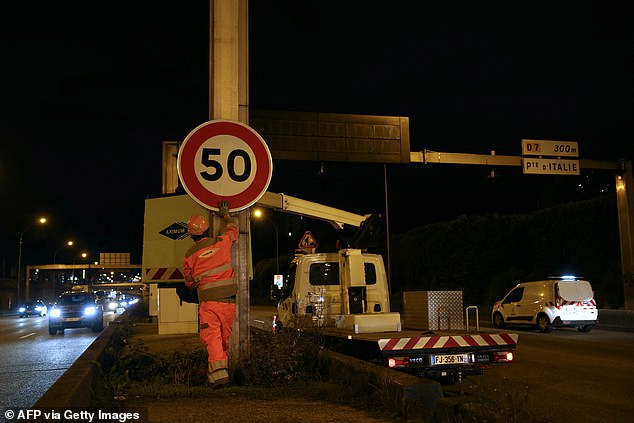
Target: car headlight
[(89, 311), (55, 312), (22, 309)]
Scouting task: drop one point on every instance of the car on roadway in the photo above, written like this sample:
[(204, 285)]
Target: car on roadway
[(558, 301), (33, 308), (119, 302), (75, 310)]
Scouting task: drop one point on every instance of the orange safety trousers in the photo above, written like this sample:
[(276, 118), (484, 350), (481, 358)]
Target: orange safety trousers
[(216, 320)]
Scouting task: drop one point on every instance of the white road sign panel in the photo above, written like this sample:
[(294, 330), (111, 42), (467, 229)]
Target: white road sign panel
[(540, 166), (224, 160), (550, 148)]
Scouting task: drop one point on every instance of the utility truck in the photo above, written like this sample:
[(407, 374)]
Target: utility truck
[(344, 297)]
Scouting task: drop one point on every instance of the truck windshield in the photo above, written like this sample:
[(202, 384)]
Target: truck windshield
[(324, 273)]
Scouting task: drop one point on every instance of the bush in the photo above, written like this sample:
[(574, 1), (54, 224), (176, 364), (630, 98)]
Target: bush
[(280, 358)]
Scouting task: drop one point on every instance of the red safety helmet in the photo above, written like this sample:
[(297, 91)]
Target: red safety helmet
[(197, 224)]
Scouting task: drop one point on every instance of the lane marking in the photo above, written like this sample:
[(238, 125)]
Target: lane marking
[(26, 336)]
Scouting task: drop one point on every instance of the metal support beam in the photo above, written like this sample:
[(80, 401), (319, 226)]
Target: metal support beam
[(86, 266), (440, 157), (625, 206)]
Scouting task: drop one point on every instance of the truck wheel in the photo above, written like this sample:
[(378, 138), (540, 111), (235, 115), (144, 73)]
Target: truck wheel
[(543, 324), (498, 321)]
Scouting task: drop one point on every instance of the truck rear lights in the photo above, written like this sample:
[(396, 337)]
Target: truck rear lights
[(502, 357), (396, 362)]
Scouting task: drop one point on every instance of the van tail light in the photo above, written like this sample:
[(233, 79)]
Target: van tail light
[(502, 357), (558, 300), (396, 362)]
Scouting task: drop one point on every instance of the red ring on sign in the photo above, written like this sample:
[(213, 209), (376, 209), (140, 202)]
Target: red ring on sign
[(186, 165)]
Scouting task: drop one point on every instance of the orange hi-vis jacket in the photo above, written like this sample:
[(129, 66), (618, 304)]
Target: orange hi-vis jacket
[(207, 266)]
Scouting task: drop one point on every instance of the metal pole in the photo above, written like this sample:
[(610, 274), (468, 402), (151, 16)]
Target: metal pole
[(277, 251), (42, 221), (387, 226), (20, 263)]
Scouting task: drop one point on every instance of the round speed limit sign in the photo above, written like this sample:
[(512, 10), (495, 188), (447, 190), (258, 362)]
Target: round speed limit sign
[(224, 160)]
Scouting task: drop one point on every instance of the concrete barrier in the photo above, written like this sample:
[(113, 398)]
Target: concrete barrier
[(75, 387), (404, 394), (622, 320)]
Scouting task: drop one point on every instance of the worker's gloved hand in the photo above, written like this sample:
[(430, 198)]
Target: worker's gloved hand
[(223, 208)]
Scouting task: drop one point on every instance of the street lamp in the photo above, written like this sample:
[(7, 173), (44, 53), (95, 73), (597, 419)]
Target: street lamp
[(69, 243), (41, 221), (258, 214), (72, 277)]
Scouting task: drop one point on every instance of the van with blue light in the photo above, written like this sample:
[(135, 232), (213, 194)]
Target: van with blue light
[(564, 301)]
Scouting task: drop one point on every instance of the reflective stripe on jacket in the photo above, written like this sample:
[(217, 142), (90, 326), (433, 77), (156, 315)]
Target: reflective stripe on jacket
[(207, 266)]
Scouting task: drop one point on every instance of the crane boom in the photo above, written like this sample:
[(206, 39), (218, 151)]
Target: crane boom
[(336, 217)]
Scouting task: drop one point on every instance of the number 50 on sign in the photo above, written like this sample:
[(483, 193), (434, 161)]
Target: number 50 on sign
[(224, 160)]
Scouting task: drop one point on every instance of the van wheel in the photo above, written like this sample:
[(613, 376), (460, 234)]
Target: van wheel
[(498, 321), (543, 324), (584, 328)]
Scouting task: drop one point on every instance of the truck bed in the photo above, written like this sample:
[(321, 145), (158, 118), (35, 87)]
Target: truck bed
[(430, 341), (442, 355)]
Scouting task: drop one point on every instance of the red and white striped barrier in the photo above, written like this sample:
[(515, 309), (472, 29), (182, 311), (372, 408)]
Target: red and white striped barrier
[(160, 274), (451, 341)]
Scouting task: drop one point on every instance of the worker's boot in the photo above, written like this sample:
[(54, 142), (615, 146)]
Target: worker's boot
[(217, 374)]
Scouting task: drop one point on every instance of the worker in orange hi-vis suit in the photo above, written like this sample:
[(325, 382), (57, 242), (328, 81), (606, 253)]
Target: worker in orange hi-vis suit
[(207, 267)]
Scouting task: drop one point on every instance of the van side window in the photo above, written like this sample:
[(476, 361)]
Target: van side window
[(514, 296), (370, 274), (324, 273)]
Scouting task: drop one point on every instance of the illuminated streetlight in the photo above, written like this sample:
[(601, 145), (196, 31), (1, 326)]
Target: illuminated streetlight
[(69, 243), (41, 221), (258, 214), (72, 277)]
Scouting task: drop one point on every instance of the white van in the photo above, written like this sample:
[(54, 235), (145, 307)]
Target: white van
[(555, 302)]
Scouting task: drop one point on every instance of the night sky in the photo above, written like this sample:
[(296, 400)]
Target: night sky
[(89, 93)]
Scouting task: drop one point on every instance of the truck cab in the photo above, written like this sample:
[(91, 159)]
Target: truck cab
[(345, 289)]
